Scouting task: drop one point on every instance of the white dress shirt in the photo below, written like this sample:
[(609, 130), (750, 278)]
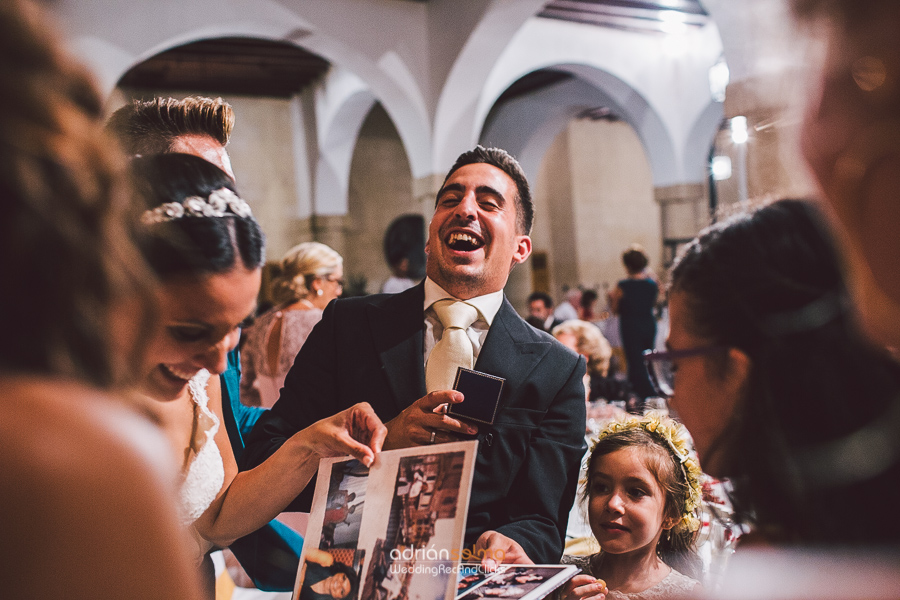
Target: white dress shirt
[(487, 306)]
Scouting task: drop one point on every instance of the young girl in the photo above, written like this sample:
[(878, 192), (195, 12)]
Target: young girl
[(642, 493)]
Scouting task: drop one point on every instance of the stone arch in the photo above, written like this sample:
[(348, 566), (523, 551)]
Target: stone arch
[(457, 122), (111, 49), (659, 90), (341, 110), (700, 140), (527, 125)]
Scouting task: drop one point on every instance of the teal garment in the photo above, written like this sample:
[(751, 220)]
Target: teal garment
[(271, 554), (239, 419)]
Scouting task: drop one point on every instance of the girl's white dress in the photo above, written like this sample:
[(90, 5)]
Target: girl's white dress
[(674, 585)]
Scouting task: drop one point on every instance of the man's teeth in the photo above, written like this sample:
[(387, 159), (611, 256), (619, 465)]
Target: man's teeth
[(462, 237), (179, 373)]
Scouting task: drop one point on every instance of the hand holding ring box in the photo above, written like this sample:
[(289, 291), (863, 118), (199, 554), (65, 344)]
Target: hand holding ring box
[(482, 396)]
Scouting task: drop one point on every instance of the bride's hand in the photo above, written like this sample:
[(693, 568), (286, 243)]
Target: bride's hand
[(356, 431)]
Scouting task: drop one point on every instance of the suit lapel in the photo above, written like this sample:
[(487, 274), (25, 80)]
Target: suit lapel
[(511, 349), (397, 330)]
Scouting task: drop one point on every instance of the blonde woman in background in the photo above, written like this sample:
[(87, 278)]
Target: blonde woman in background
[(586, 339), (311, 276)]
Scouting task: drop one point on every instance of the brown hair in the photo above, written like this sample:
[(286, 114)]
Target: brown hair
[(64, 240), (150, 126), (635, 259)]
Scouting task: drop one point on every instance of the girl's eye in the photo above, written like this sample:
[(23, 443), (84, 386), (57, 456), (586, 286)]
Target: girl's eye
[(599, 488), (187, 334), (638, 493)]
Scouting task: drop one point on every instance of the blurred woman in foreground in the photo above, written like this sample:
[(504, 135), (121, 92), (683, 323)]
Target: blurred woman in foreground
[(85, 489)]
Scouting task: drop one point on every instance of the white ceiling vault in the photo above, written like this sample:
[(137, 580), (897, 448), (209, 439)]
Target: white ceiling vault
[(445, 71)]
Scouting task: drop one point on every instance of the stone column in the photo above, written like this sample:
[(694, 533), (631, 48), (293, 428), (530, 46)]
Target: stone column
[(684, 211)]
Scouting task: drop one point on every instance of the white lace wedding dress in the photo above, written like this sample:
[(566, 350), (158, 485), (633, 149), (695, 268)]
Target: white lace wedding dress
[(205, 472)]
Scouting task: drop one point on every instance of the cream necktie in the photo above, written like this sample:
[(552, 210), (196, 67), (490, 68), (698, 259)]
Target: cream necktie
[(454, 348)]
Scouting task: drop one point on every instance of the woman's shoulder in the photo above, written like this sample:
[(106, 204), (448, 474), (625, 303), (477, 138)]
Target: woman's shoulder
[(57, 420), (79, 469), (311, 315)]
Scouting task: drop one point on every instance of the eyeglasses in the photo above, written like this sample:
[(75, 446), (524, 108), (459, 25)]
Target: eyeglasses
[(662, 370)]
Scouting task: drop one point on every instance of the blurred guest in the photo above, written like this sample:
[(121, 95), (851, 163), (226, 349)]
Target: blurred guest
[(777, 386), (404, 250), (587, 340), (310, 276), (540, 311), (587, 306), (567, 309), (633, 300), (85, 485), (850, 141)]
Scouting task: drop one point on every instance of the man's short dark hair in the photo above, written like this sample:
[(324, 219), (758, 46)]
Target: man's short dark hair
[(151, 126), (504, 161), (543, 297)]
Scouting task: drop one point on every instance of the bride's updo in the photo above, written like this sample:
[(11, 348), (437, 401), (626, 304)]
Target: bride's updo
[(194, 223)]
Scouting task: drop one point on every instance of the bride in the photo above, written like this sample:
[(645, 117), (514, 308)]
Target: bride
[(203, 243)]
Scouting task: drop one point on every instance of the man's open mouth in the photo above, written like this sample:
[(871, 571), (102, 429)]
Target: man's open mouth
[(464, 242)]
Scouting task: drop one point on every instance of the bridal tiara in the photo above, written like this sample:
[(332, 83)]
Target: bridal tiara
[(221, 203)]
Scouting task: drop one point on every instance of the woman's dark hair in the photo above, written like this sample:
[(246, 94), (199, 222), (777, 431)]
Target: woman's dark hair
[(352, 577), (816, 430), (193, 245), (635, 259), (65, 245), (676, 549)]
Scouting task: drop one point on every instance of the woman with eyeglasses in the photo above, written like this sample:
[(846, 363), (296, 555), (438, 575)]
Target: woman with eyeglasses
[(310, 276), (770, 374)]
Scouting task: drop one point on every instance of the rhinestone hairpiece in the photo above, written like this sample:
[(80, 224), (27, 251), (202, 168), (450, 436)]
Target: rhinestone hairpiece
[(220, 203)]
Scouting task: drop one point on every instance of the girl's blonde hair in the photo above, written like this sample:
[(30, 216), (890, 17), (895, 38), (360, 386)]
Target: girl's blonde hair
[(299, 267)]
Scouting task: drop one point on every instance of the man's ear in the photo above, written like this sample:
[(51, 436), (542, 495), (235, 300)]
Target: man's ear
[(523, 249)]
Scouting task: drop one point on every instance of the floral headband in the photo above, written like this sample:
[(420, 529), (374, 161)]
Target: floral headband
[(676, 438), (221, 203)]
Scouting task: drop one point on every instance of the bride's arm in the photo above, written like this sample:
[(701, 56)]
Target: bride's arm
[(250, 499)]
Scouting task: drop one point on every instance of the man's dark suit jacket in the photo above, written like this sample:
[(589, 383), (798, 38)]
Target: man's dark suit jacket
[(371, 349)]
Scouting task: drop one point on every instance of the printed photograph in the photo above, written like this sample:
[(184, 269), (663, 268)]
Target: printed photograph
[(330, 575), (519, 582), (344, 505), (411, 531)]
